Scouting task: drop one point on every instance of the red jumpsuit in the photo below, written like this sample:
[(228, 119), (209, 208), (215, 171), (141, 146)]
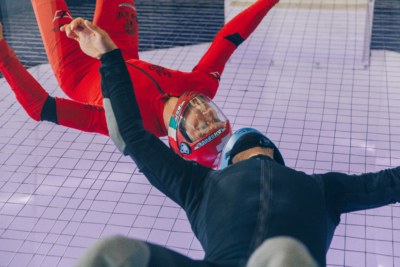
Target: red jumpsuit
[(78, 74)]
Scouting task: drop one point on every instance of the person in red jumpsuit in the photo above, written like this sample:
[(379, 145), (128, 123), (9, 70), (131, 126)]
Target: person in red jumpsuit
[(157, 88)]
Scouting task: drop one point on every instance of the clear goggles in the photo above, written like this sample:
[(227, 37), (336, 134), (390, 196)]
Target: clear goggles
[(201, 117)]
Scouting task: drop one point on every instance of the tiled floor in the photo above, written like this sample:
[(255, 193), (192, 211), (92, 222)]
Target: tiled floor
[(299, 78)]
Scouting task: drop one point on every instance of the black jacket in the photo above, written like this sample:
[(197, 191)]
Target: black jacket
[(232, 211)]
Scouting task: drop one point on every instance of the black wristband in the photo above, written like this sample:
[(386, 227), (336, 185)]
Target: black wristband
[(49, 110), (111, 58)]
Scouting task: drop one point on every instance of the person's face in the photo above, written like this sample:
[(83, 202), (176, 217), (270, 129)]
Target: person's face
[(200, 119)]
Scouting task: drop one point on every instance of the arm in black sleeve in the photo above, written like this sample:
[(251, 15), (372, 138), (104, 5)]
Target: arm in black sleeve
[(179, 179), (346, 193)]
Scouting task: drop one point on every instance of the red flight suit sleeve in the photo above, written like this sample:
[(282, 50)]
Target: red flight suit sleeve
[(80, 116), (32, 97), (27, 90)]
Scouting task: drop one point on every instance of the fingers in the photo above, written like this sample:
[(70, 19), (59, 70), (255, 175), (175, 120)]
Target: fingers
[(90, 26), (99, 33), (77, 24), (70, 33), (72, 29), (64, 27), (94, 28)]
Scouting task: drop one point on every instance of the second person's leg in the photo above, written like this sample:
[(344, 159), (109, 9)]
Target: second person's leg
[(232, 35), (119, 19), (72, 68)]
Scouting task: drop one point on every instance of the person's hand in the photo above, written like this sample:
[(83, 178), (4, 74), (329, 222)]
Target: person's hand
[(1, 32), (93, 41)]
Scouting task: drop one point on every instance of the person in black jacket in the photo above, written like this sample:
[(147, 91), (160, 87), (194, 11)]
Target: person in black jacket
[(253, 212)]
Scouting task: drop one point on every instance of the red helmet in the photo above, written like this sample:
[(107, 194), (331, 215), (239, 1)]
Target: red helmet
[(198, 130)]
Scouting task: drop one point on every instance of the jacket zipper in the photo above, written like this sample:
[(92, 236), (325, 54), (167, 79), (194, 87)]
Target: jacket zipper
[(262, 212), (264, 206)]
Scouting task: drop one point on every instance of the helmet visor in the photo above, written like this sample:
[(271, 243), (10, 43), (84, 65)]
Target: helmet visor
[(200, 118)]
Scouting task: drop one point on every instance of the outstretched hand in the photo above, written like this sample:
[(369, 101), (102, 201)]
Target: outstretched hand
[(93, 41)]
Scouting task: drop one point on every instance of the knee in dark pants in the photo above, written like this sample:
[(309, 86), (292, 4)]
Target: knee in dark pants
[(115, 251), (281, 252)]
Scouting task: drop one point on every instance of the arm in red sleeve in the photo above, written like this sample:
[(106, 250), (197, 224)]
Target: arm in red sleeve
[(27, 90), (40, 106), (80, 116)]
